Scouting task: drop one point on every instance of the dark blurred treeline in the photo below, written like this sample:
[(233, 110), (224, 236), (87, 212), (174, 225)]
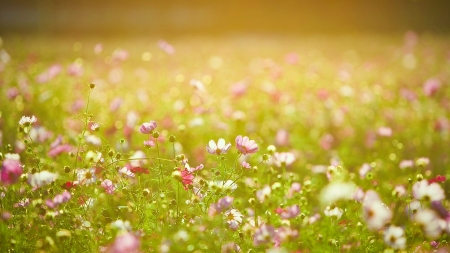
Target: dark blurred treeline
[(207, 16)]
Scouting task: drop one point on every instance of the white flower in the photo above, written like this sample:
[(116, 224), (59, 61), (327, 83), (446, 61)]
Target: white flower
[(376, 214), (283, 159), (42, 178), (121, 225), (337, 212), (264, 193), (233, 218), (126, 171), (138, 159), (218, 149), (430, 192), (336, 191), (12, 156), (395, 237), (224, 185), (430, 223), (93, 156), (25, 120), (94, 140), (86, 176)]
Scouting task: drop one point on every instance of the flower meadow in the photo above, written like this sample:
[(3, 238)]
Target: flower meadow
[(225, 144)]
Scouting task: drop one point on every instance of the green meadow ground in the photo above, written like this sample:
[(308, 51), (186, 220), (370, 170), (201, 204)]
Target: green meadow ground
[(336, 104)]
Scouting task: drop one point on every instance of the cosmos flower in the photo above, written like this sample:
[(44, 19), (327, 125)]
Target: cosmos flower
[(245, 145), (186, 178), (148, 127), (221, 205), (86, 176), (230, 247), (42, 178), (376, 214), (11, 171), (218, 149), (395, 237), (430, 223), (264, 193), (336, 212), (126, 171), (283, 159), (431, 192), (166, 47), (245, 165), (233, 218), (125, 243), (288, 212), (108, 186), (406, 164), (26, 120), (264, 234)]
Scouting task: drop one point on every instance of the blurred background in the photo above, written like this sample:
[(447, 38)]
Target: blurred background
[(143, 17)]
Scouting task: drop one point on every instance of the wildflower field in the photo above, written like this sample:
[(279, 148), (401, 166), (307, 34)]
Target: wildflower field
[(225, 144)]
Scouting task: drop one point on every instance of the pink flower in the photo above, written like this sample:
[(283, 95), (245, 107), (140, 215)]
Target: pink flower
[(166, 47), (148, 127), (239, 89), (75, 69), (221, 205), (245, 165), (431, 86), (65, 148), (282, 138), (11, 171), (218, 149), (245, 145), (385, 131), (186, 178), (149, 143), (108, 186), (288, 212), (125, 243), (120, 55), (98, 48), (291, 58), (263, 234)]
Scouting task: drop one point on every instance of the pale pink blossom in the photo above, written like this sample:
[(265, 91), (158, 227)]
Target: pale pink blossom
[(166, 47), (283, 159), (245, 145), (431, 86), (125, 243), (148, 127), (108, 186)]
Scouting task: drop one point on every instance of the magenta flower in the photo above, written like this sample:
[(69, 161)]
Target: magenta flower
[(148, 127), (245, 145), (11, 171), (218, 149)]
